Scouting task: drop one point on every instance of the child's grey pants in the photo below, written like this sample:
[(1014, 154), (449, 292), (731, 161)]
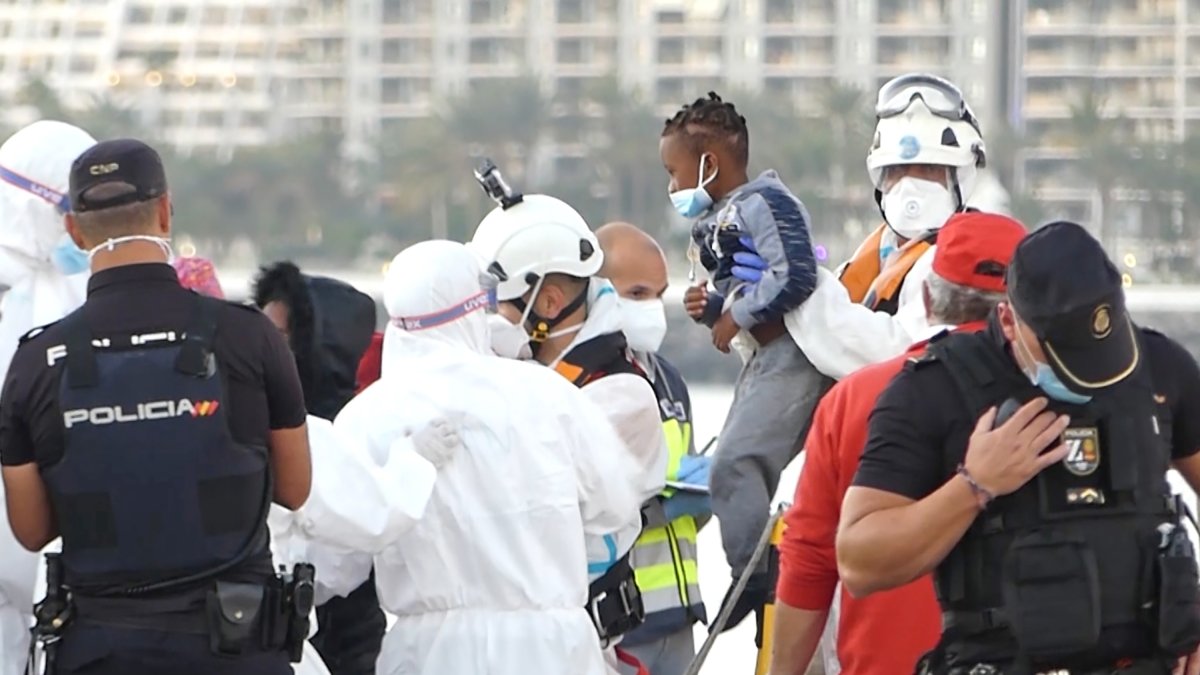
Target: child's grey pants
[(773, 404)]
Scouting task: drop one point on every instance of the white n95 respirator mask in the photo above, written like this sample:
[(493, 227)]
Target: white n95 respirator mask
[(509, 341), (644, 323)]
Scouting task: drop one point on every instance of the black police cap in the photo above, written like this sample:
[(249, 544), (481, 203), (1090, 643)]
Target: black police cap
[(1064, 287), (124, 163)]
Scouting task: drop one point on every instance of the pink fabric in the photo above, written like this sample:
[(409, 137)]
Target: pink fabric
[(199, 274)]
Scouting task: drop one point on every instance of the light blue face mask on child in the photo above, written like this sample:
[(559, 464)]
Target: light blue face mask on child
[(1048, 381), (691, 202), (69, 258)]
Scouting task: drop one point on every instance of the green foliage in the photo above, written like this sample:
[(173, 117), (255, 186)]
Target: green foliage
[(292, 199)]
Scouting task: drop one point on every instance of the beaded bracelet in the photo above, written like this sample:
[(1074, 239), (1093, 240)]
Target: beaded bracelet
[(982, 495)]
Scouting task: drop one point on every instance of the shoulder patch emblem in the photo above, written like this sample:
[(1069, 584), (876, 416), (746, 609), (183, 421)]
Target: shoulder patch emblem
[(1083, 450)]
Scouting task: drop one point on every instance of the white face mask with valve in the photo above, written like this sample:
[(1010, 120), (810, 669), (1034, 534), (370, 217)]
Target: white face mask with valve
[(915, 206)]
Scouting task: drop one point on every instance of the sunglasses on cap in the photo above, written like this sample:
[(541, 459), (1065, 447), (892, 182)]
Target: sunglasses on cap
[(939, 95)]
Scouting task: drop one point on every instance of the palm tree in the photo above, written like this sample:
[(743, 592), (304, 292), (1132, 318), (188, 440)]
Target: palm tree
[(38, 94), (428, 174), (845, 106), (621, 132), (1102, 142), (503, 118)]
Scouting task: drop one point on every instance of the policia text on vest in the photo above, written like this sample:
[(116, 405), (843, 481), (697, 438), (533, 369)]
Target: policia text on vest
[(172, 544), (92, 582)]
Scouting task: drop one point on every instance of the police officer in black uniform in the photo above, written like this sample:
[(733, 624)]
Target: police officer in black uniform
[(151, 429), (1026, 468)]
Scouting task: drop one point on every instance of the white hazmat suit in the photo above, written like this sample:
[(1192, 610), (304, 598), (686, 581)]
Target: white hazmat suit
[(493, 579), (35, 164)]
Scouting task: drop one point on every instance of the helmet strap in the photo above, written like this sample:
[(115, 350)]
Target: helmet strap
[(962, 203), (543, 326)]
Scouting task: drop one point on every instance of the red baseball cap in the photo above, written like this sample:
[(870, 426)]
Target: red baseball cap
[(975, 248)]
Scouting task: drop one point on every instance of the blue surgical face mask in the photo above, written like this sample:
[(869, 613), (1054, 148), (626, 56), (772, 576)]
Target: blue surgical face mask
[(691, 202), (1048, 381), (68, 258)]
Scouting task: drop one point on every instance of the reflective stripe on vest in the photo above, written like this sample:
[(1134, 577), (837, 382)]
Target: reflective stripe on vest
[(679, 436), (874, 285), (664, 558), (665, 566)]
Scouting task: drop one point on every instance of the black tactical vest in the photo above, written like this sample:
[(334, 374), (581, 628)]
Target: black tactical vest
[(152, 488), (1064, 572), (602, 355)]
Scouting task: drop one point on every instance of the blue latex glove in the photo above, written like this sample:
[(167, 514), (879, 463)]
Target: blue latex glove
[(688, 504), (694, 469), (748, 265)]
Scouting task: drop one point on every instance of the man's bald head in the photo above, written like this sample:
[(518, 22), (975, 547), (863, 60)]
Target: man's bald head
[(633, 261)]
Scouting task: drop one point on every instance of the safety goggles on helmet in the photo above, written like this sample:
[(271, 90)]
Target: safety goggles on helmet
[(940, 97), (58, 200)]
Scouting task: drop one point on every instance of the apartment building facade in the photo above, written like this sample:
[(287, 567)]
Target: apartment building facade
[(208, 74), (1140, 57), (223, 74)]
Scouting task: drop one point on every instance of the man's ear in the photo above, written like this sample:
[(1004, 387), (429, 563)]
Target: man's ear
[(72, 227), (550, 301), (165, 211), (1008, 321)]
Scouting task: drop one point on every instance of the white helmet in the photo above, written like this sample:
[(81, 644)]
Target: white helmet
[(540, 235), (924, 119)]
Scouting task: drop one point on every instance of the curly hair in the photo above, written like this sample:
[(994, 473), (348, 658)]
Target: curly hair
[(283, 282), (711, 119)]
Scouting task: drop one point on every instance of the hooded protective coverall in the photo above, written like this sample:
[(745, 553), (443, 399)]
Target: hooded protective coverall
[(494, 578), (34, 259)]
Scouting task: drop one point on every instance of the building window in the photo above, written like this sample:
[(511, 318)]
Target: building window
[(138, 14), (670, 51), (482, 52), (177, 15), (396, 90), (486, 11), (570, 51), (82, 64)]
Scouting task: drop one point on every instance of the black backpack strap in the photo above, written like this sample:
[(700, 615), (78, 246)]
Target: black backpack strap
[(976, 368), (196, 356), (82, 371)]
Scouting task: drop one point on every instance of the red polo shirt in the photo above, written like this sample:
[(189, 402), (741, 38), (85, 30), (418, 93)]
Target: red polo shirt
[(886, 632)]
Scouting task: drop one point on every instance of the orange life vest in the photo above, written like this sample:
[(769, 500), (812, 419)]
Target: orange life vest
[(874, 285)]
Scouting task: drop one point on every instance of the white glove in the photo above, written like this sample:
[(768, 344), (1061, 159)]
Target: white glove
[(437, 442)]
